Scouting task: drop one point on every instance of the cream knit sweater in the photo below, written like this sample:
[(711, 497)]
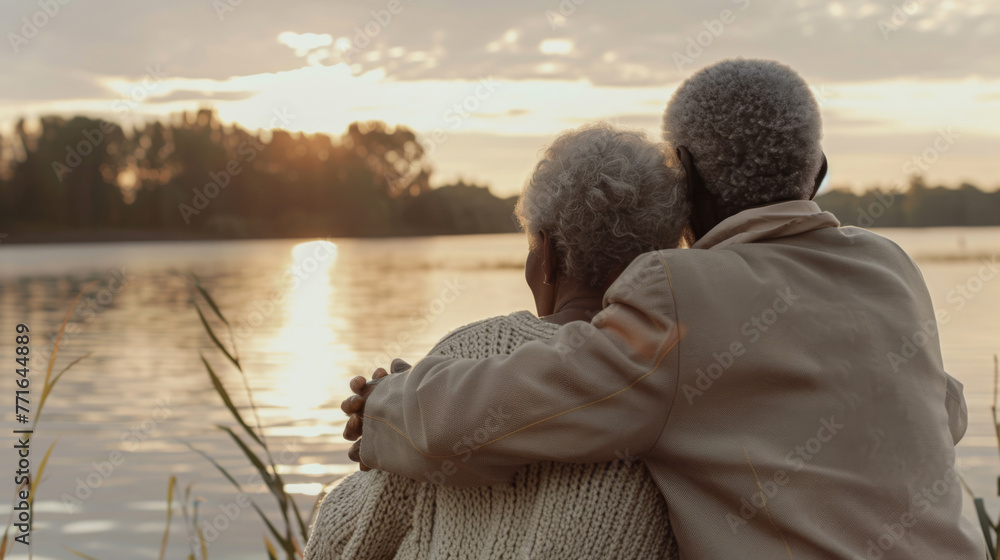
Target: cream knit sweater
[(548, 511)]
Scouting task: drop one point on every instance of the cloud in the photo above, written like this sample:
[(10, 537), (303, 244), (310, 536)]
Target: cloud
[(556, 46), (303, 43), (842, 120), (846, 40), (191, 95), (613, 44), (505, 114)]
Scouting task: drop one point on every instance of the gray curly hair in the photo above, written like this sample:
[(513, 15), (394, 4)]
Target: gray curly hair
[(753, 129), (604, 196)]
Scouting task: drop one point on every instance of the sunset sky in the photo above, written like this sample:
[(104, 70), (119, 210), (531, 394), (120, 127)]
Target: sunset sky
[(496, 80)]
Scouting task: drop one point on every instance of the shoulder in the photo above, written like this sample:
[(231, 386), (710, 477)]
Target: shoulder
[(837, 243), (645, 281), (868, 239), (843, 247), (493, 336)]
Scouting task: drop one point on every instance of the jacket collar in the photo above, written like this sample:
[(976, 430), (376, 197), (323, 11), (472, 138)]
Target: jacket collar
[(767, 222)]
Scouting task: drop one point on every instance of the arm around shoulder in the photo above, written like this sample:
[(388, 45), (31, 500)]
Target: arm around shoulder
[(591, 393)]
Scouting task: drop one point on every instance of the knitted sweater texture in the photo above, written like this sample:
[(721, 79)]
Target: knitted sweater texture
[(547, 511)]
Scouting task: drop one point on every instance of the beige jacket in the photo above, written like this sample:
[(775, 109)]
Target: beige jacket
[(782, 381)]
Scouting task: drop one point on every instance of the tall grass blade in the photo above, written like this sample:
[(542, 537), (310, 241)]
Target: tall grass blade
[(201, 536), (170, 515), (256, 414), (993, 408), (269, 479), (37, 479), (58, 376), (208, 298), (188, 526), (215, 339), (271, 553), (286, 545), (204, 546), (273, 481), (298, 517), (46, 387), (80, 554), (219, 388), (218, 313), (270, 476), (235, 356)]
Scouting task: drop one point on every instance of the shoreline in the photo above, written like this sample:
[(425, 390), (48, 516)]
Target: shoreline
[(145, 236)]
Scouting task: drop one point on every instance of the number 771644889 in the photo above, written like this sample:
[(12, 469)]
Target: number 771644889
[(21, 352)]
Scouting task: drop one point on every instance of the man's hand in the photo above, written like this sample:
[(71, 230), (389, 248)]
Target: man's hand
[(354, 406)]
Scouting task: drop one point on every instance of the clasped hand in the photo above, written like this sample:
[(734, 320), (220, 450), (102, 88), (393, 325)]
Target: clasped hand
[(354, 406)]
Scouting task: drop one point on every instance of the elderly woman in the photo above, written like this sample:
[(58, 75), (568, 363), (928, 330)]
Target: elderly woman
[(598, 198)]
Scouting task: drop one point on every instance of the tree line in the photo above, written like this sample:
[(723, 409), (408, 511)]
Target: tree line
[(919, 205), (191, 177)]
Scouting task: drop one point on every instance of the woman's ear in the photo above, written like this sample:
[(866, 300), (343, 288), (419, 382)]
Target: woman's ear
[(540, 273), (548, 254)]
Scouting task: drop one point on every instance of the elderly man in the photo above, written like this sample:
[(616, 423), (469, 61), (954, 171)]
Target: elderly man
[(782, 379)]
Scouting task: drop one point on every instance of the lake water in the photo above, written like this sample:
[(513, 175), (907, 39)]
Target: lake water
[(308, 315)]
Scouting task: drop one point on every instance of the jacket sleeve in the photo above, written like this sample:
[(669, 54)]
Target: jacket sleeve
[(958, 412), (592, 393)]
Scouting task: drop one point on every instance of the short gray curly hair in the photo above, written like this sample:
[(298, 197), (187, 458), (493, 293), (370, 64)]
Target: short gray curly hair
[(753, 129), (604, 196)]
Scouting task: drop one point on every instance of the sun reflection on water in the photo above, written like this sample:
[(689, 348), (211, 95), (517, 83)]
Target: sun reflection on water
[(312, 353)]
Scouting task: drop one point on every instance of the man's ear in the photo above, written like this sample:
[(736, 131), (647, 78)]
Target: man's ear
[(819, 177), (548, 254), (690, 173), (706, 213)]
